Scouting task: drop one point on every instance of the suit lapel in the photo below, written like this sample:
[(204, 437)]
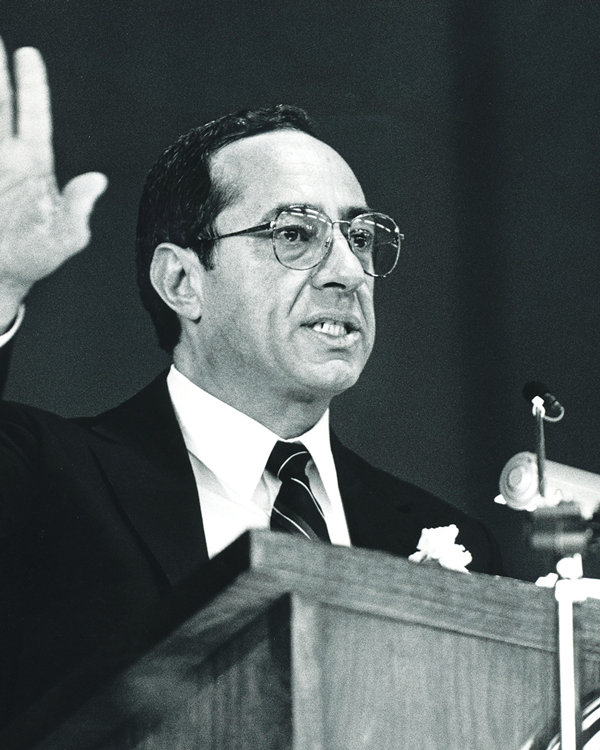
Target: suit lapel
[(377, 519), (141, 451)]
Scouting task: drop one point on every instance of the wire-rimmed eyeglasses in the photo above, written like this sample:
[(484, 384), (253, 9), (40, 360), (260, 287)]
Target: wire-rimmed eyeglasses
[(302, 238)]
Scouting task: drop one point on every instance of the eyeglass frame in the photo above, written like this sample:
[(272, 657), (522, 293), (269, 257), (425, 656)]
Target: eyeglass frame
[(270, 226)]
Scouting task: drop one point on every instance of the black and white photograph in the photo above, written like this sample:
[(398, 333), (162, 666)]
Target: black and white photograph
[(299, 356)]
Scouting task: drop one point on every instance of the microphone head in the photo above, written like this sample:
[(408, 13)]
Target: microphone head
[(535, 388), (554, 410)]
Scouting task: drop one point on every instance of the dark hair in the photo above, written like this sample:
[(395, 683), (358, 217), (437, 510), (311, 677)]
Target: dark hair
[(179, 201)]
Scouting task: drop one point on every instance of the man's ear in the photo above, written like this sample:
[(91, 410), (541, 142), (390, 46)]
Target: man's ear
[(176, 274)]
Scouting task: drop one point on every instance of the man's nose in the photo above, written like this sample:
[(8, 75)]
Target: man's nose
[(340, 267)]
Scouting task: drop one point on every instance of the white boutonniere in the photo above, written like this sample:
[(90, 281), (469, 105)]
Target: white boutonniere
[(439, 545)]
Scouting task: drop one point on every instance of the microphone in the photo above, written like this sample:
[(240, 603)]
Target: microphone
[(554, 409)]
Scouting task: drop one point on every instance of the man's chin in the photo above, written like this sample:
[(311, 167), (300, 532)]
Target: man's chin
[(331, 381)]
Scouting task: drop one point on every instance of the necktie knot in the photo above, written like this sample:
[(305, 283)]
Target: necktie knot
[(288, 460)]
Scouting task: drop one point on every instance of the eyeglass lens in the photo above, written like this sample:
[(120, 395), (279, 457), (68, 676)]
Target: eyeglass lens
[(301, 238)]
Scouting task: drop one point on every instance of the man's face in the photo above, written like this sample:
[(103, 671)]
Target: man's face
[(268, 331)]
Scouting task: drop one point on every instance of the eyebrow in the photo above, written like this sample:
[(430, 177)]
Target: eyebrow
[(354, 211), (347, 214)]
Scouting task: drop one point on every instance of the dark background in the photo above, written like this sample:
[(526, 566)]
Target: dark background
[(475, 124)]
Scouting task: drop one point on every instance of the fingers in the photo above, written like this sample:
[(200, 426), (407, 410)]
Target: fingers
[(6, 97), (34, 123), (79, 197)]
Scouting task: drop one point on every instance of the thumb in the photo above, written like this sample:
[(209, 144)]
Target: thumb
[(79, 196)]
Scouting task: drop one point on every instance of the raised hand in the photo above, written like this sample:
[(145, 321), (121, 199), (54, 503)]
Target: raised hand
[(40, 227)]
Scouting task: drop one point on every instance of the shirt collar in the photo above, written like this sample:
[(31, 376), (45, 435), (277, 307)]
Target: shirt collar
[(221, 436)]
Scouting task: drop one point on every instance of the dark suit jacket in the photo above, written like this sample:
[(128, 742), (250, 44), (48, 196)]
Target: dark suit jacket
[(100, 521)]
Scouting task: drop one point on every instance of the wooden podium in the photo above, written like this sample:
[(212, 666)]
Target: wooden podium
[(301, 645)]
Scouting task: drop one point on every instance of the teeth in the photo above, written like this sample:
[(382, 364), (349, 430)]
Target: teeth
[(331, 328)]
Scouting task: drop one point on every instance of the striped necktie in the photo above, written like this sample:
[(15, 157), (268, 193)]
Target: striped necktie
[(296, 510)]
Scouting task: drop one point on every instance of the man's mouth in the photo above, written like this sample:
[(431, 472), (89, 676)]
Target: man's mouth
[(334, 328), (331, 328)]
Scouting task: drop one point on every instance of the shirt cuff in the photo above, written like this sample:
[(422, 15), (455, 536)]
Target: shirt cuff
[(6, 337)]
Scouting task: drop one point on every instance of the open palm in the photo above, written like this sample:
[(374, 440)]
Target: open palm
[(41, 227)]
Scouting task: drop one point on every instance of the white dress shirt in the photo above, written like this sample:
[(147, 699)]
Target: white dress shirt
[(16, 324), (229, 450)]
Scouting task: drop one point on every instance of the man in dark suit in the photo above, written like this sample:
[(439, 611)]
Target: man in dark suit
[(257, 258)]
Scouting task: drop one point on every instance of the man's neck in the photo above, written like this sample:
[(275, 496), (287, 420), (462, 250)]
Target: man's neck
[(284, 415)]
